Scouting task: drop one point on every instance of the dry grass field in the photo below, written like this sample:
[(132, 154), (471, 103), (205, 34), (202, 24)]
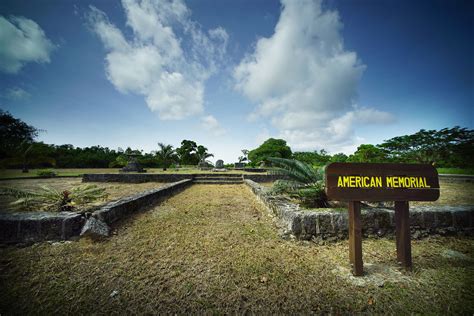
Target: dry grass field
[(216, 250)]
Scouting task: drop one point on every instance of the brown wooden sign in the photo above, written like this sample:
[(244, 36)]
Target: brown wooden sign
[(355, 182), (381, 182)]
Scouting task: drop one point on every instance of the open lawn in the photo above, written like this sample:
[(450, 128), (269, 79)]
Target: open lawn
[(214, 249), (455, 171), (16, 173), (115, 190)]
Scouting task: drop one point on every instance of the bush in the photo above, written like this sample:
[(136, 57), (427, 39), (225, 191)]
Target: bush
[(303, 182), (46, 173)]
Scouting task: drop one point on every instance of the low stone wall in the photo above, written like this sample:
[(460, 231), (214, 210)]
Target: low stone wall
[(27, 227), (139, 178), (116, 210), (262, 177), (332, 224), (134, 177)]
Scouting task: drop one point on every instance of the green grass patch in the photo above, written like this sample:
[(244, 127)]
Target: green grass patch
[(468, 171)]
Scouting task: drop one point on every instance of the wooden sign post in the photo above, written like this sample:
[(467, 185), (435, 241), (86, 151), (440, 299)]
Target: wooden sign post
[(355, 182)]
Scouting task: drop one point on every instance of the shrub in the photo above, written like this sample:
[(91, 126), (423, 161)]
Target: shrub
[(302, 182), (46, 173)]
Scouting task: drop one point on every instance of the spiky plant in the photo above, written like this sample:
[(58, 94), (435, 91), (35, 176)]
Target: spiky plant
[(301, 181), (50, 199)]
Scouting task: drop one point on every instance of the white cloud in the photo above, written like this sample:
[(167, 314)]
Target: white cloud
[(304, 80), (22, 41), (16, 93), (210, 123), (169, 71)]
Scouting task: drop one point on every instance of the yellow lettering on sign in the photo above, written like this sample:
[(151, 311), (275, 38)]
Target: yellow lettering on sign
[(376, 182), (346, 181), (426, 186)]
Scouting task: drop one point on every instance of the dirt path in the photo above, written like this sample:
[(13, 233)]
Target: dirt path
[(214, 249)]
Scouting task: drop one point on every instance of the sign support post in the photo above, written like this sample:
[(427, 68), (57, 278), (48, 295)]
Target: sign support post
[(402, 228), (355, 238), (356, 182)]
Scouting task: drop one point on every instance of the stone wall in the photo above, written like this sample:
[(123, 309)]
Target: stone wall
[(27, 227), (116, 210), (140, 177), (262, 177), (135, 177), (332, 224)]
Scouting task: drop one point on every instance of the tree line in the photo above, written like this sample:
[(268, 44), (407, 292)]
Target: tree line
[(448, 147), (18, 149)]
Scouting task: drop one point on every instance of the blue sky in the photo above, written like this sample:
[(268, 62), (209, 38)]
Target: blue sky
[(229, 74)]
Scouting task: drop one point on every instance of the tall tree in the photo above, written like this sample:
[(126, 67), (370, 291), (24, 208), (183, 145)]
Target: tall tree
[(14, 133), (202, 154), (270, 148), (187, 153), (368, 153), (166, 155)]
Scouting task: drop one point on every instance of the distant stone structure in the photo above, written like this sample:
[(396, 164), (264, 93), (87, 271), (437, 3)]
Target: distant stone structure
[(220, 164), (239, 165), (133, 165)]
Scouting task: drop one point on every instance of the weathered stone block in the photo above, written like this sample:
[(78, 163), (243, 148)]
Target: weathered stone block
[(340, 222), (429, 220), (324, 224), (309, 224), (296, 225), (51, 228), (461, 219), (29, 230), (381, 220), (95, 228), (416, 219), (444, 219), (9, 230)]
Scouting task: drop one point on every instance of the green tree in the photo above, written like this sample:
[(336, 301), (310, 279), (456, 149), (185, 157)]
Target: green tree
[(313, 158), (368, 153), (202, 154), (448, 147), (340, 157), (187, 153), (166, 155), (270, 148), (13, 133)]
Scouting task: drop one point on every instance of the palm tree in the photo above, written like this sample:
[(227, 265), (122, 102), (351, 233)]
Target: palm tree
[(165, 155), (202, 154), (302, 181)]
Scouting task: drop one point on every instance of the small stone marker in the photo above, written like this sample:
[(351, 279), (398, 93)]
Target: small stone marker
[(220, 164), (355, 182), (95, 228)]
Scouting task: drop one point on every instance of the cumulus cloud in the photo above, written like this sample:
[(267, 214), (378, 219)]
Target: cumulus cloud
[(16, 93), (304, 81), (168, 70), (22, 41), (210, 123)]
